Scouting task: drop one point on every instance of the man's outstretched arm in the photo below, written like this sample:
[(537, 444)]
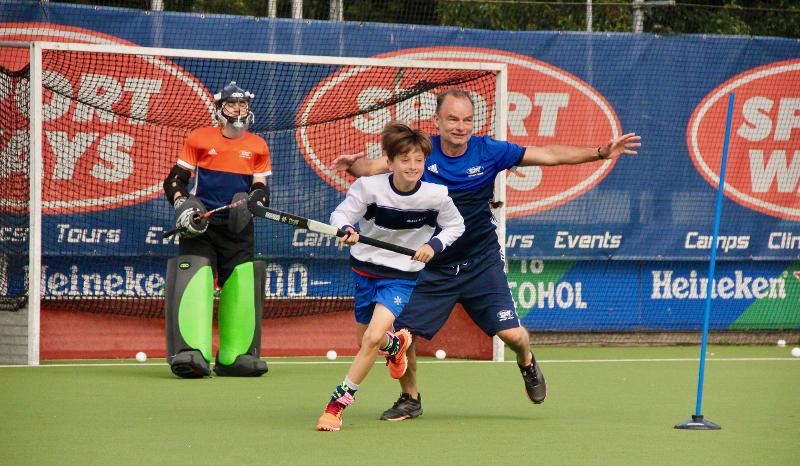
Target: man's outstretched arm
[(359, 165), (555, 154)]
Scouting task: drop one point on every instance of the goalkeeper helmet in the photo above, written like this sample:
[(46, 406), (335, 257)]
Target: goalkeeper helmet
[(229, 94)]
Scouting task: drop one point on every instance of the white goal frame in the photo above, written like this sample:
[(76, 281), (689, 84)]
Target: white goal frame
[(29, 319)]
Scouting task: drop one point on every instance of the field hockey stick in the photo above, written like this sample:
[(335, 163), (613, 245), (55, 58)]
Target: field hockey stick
[(208, 214), (258, 210)]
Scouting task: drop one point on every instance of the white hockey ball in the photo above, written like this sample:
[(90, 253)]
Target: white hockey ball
[(141, 356), (440, 354), (331, 354)]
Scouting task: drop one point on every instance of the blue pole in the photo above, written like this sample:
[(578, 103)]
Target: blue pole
[(707, 315)]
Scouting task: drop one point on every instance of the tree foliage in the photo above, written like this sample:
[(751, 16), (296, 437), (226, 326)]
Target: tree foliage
[(739, 17)]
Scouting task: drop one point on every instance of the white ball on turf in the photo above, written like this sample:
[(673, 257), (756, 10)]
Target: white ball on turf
[(796, 352), (440, 354), (141, 356), (331, 355), (781, 343)]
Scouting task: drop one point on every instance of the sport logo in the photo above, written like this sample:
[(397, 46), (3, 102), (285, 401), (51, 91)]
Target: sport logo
[(505, 314), (546, 106), (472, 171), (763, 166), (109, 135)]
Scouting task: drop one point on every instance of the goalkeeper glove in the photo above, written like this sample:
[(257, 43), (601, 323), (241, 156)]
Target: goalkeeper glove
[(189, 216), (259, 192)]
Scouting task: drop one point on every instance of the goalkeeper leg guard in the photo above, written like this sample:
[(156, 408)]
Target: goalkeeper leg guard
[(189, 312), (241, 306)]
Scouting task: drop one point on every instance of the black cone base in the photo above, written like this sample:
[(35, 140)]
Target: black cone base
[(698, 423)]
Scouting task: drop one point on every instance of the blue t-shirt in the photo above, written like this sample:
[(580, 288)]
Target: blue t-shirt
[(470, 181)]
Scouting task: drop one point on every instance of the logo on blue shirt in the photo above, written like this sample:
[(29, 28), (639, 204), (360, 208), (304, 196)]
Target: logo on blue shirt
[(475, 171)]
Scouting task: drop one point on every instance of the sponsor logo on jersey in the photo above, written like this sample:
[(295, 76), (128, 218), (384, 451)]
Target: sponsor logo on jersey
[(505, 314), (763, 164), (475, 171), (107, 124), (547, 106), (246, 154)]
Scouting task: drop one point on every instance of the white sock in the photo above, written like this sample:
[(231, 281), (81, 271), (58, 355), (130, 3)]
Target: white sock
[(349, 384)]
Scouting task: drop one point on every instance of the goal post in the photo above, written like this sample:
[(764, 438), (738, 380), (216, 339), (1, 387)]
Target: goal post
[(501, 127), (107, 122), (20, 216), (36, 168)]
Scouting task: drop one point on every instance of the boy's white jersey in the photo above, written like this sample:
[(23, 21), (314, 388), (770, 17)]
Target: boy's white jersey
[(408, 219)]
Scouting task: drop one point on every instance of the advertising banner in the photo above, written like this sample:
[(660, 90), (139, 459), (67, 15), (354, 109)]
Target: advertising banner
[(640, 224)]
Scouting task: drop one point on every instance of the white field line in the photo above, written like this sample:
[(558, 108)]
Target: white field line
[(348, 360)]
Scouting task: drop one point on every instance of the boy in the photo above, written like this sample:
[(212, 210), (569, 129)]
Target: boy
[(396, 207)]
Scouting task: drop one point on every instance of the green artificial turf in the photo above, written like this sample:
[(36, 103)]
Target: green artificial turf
[(604, 406)]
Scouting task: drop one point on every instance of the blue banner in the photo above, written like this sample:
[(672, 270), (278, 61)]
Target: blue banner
[(563, 88)]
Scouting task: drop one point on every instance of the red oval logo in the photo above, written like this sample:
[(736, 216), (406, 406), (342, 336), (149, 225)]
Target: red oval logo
[(110, 131), (763, 166), (546, 106)]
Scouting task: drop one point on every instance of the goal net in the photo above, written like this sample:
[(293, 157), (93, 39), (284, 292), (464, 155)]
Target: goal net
[(112, 122)]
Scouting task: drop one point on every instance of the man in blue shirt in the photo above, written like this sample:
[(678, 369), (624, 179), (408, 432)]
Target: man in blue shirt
[(471, 271)]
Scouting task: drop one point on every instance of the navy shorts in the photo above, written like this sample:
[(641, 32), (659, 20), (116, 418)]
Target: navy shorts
[(479, 284), (391, 292)]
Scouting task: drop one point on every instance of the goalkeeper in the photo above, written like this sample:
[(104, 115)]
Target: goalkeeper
[(228, 163), (398, 208)]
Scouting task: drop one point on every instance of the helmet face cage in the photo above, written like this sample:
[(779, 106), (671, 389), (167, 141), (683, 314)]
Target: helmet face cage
[(234, 93)]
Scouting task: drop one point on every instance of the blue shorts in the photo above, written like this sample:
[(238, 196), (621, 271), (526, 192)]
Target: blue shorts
[(391, 292), (479, 284)]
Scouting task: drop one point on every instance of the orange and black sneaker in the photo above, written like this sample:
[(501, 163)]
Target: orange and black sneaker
[(331, 419), (398, 362)]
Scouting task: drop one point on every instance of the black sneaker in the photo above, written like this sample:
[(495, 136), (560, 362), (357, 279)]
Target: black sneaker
[(404, 408), (189, 365), (535, 385)]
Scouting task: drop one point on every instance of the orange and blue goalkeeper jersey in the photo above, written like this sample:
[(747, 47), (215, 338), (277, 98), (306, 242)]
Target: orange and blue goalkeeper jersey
[(223, 166)]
